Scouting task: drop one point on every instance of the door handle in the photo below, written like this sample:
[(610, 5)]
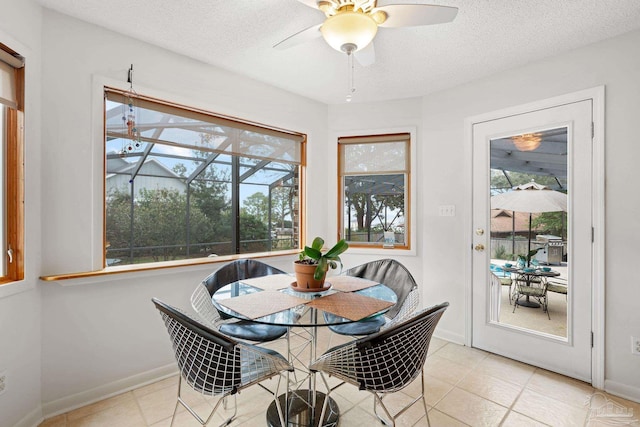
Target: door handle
[(479, 247)]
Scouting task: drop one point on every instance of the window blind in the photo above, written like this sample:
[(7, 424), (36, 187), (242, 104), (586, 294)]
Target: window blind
[(8, 75), (182, 126)]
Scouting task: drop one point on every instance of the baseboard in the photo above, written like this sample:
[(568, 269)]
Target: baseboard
[(32, 419), (74, 401), (622, 390), (449, 336)]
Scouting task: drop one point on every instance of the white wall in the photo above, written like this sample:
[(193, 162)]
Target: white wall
[(102, 336), (614, 63), (367, 119), (20, 332)]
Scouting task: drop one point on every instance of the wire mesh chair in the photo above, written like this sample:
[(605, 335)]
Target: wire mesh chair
[(232, 272), (216, 365), (385, 362), (393, 275)]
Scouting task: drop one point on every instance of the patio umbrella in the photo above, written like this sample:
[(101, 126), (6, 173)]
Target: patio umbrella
[(531, 198)]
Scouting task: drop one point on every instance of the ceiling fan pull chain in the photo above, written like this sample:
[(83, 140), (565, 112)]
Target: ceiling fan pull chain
[(350, 77)]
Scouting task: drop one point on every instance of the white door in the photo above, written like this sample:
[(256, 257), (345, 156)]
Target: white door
[(520, 332)]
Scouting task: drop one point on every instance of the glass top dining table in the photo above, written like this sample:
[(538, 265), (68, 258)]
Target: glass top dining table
[(303, 314), (305, 311)]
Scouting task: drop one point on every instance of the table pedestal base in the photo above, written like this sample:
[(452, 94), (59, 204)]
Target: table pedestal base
[(528, 303), (300, 413)]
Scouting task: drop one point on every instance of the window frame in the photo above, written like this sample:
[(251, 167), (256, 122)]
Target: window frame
[(268, 130), (13, 170), (408, 247)]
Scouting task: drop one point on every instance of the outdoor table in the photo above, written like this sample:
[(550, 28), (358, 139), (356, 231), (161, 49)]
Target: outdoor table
[(271, 300), (527, 275)]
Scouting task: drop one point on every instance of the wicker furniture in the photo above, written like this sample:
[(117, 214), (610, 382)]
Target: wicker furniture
[(395, 276), (242, 329), (216, 365), (385, 362)]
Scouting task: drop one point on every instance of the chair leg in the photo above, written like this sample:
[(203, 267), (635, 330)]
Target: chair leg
[(196, 416), (377, 399), (546, 306)]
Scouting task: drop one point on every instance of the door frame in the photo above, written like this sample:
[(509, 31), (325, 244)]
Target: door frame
[(597, 95)]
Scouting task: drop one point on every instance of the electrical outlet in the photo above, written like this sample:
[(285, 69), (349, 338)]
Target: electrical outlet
[(447, 210), (635, 346), (3, 382)]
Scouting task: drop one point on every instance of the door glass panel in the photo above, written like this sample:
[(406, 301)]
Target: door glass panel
[(528, 189)]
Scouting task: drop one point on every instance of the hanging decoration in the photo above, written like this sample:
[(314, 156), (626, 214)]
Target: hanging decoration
[(129, 119)]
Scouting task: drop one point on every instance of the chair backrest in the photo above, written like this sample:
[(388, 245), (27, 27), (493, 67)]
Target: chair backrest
[(208, 360), (390, 273), (238, 270), (391, 359)]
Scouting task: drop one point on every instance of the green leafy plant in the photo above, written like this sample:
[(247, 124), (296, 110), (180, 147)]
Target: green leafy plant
[(313, 255), (528, 257)]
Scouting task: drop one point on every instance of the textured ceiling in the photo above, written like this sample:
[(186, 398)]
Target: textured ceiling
[(487, 36)]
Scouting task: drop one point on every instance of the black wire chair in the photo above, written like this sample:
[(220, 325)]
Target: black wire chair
[(385, 362), (229, 273), (394, 275), (216, 365)]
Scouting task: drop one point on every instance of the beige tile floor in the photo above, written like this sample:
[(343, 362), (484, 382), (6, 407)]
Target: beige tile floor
[(465, 387)]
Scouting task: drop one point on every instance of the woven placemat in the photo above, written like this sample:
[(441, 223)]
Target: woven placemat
[(350, 284), (350, 305), (271, 282), (259, 304)]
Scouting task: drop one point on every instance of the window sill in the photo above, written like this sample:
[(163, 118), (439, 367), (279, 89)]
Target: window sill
[(154, 268)]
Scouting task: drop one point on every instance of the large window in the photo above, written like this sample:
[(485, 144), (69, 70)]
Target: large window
[(11, 165), (182, 183), (374, 188)]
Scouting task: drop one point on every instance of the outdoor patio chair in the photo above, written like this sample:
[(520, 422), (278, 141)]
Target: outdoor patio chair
[(385, 362), (558, 285), (215, 365), (240, 329), (395, 276), (534, 288)]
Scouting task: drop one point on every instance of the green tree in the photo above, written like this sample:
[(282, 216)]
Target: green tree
[(282, 205), (551, 223), (158, 223), (369, 205), (257, 205), (118, 219)]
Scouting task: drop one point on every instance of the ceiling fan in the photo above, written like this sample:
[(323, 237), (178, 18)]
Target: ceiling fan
[(351, 25)]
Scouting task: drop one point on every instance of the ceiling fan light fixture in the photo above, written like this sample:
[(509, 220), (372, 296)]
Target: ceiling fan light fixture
[(349, 28), (527, 141)]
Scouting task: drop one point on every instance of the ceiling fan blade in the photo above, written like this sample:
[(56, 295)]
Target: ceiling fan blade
[(410, 15), (366, 56), (303, 36)]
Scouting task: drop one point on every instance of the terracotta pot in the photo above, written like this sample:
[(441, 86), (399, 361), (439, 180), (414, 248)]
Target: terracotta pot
[(304, 276)]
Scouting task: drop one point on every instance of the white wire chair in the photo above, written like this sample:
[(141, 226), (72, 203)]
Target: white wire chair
[(385, 362), (229, 273), (393, 275), (529, 287), (216, 365)]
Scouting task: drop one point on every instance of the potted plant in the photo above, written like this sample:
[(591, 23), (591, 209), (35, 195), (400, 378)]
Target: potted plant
[(312, 266), (525, 260)]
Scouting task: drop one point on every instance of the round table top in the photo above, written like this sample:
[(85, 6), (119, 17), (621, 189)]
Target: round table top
[(530, 271), (300, 315)]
